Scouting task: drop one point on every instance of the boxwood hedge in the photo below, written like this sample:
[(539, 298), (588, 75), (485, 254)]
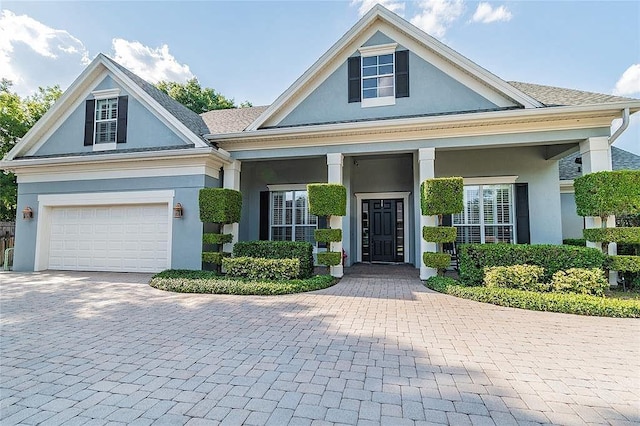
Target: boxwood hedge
[(326, 199), (278, 250), (580, 242), (618, 235), (256, 268), (329, 258), (220, 205), (328, 235), (608, 193), (214, 257), (523, 277), (624, 263), (439, 234), (211, 238), (474, 258), (439, 261), (442, 196)]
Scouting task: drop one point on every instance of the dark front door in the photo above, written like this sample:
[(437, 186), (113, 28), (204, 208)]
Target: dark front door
[(383, 230)]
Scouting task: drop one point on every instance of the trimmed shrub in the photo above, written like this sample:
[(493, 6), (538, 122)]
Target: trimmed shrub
[(474, 258), (580, 242), (608, 193), (328, 235), (214, 257), (327, 199), (211, 238), (329, 258), (439, 261), (442, 196), (580, 280), (523, 277), (209, 282), (439, 234), (608, 235), (278, 250), (624, 263), (256, 268), (220, 205), (569, 303)]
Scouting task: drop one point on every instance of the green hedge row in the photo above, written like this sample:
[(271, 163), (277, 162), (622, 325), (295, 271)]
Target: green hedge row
[(580, 242), (328, 235), (300, 250), (256, 268), (209, 282), (624, 263), (214, 257), (579, 280), (608, 193), (327, 199), (329, 258), (618, 235), (553, 258), (439, 261), (523, 277), (220, 205), (439, 234), (442, 196), (552, 302), (211, 238)]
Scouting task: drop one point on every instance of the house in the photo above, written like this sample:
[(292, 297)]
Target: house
[(102, 173), (571, 168)]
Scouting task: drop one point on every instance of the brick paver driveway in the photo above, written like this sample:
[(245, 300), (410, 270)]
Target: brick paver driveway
[(104, 348)]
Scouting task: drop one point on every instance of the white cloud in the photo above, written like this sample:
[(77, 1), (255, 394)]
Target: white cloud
[(28, 46), (437, 16), (486, 14), (629, 82), (365, 5), (151, 64)]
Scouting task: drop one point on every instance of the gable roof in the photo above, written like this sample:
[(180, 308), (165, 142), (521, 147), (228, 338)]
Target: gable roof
[(490, 82), (231, 120), (558, 96), (620, 160)]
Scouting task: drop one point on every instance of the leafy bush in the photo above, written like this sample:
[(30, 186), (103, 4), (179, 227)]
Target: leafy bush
[(439, 261), (256, 268), (608, 193), (327, 199), (474, 258), (442, 196), (211, 238), (214, 257), (580, 280), (328, 235), (624, 263), (329, 258), (619, 235), (220, 205), (568, 303), (439, 234), (523, 277), (278, 250), (183, 281), (580, 242)]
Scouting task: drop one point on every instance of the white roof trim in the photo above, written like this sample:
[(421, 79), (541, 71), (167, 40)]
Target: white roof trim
[(75, 95), (379, 12)]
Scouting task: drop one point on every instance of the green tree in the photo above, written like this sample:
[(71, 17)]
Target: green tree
[(195, 97), (17, 116)]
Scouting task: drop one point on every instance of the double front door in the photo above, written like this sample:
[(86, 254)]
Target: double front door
[(383, 230)]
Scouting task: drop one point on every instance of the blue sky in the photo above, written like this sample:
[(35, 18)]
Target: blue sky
[(253, 50)]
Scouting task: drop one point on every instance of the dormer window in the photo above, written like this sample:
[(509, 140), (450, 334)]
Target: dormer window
[(379, 75), (106, 120)]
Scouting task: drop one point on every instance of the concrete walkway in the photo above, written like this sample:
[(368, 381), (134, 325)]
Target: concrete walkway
[(378, 348)]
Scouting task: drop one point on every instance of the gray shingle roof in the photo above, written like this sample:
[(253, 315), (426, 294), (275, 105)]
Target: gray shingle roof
[(190, 119), (620, 159), (555, 96), (231, 120)]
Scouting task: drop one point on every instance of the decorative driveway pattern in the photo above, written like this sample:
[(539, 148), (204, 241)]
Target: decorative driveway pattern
[(106, 348)]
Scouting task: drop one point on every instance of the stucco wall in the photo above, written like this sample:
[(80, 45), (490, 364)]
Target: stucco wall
[(144, 130), (572, 224), (187, 232)]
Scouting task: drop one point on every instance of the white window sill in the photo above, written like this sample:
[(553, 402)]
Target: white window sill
[(104, 146), (375, 102)]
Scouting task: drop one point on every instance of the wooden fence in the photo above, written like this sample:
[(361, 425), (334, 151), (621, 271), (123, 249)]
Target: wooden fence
[(7, 239)]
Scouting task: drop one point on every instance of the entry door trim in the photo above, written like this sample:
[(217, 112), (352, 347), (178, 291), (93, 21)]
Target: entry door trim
[(361, 196)]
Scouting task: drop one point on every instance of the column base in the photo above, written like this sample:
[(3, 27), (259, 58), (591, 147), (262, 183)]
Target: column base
[(426, 273), (337, 271)]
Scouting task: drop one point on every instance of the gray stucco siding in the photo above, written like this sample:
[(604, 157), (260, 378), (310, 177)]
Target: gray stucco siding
[(144, 129), (572, 224), (431, 92), (186, 232)]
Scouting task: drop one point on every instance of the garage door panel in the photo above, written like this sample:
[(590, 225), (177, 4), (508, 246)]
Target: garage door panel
[(132, 238)]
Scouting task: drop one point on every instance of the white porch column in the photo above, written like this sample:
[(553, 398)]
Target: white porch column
[(334, 169), (426, 165), (231, 180), (596, 157)]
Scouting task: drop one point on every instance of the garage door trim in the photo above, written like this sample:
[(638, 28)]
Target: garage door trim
[(48, 201)]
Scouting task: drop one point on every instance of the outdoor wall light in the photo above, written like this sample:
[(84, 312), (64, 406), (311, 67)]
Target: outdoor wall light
[(178, 211), (27, 213)]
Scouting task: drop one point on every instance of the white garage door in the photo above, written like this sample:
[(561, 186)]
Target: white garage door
[(123, 238)]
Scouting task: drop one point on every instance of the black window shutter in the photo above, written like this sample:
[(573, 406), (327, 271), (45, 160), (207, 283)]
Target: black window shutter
[(123, 107), (354, 70), (264, 215), (522, 213), (89, 116), (322, 224), (447, 220), (402, 74)]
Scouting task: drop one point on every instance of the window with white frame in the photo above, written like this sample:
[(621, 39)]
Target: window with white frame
[(378, 77), (290, 217), (488, 215), (106, 120)]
